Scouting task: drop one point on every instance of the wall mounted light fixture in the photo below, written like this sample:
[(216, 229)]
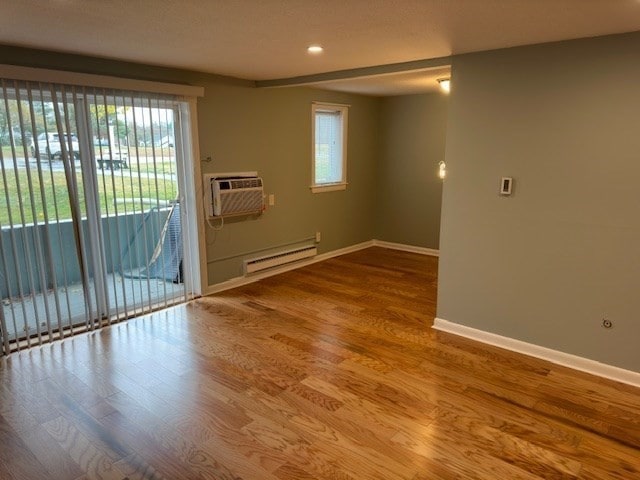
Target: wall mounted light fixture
[(442, 172), (445, 84)]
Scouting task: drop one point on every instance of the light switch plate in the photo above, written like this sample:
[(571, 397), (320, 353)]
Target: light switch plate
[(506, 185)]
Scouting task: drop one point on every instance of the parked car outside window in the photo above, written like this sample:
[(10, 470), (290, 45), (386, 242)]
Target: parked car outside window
[(48, 144)]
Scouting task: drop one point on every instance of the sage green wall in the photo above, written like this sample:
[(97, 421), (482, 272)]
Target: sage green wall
[(409, 190), (267, 130), (548, 263)]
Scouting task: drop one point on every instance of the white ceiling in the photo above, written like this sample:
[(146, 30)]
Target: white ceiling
[(267, 39)]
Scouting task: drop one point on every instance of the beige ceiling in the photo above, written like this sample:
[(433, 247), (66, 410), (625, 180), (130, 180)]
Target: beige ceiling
[(267, 39)]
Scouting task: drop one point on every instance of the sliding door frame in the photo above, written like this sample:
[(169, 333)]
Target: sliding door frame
[(188, 175), (191, 196)]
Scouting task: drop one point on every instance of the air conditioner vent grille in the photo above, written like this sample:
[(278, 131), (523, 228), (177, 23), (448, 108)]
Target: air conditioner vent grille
[(241, 202), (246, 183)]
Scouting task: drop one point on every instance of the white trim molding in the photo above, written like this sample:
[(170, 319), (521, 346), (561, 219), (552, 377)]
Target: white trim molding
[(340, 116), (245, 280), (554, 356), (407, 248), (329, 187), (240, 281)]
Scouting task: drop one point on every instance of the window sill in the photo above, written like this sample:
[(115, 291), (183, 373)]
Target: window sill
[(329, 187)]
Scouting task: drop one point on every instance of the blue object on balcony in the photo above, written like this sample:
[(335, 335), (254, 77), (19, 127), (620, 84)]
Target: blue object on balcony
[(166, 261)]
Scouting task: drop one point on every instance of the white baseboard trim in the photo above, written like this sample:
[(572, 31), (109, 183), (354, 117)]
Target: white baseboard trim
[(554, 356), (407, 248), (240, 281)]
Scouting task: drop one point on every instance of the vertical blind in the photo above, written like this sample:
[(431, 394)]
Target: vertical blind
[(328, 147), (91, 226)]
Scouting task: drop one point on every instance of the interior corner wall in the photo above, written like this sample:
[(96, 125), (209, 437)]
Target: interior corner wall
[(548, 263), (269, 131), (408, 198)]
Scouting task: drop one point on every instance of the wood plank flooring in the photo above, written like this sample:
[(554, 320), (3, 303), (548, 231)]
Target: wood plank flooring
[(327, 372)]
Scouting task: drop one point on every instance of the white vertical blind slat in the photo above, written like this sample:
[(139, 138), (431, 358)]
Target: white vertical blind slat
[(25, 246), (74, 204), (33, 206)]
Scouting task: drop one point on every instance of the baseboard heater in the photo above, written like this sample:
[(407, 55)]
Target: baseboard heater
[(281, 258)]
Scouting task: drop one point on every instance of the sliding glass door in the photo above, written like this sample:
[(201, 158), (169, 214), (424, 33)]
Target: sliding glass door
[(91, 223)]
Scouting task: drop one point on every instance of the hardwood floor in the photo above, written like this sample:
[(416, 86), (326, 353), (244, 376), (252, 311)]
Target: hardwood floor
[(326, 372)]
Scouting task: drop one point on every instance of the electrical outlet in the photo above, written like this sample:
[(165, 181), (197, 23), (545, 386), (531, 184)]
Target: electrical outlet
[(506, 186), (272, 199), (318, 237)]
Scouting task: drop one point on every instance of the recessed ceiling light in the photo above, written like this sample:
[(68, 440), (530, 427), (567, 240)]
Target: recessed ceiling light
[(315, 49)]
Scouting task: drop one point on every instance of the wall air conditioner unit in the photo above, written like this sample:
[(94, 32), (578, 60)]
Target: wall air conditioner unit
[(236, 196)]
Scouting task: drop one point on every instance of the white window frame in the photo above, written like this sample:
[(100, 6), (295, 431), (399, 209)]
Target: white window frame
[(343, 110)]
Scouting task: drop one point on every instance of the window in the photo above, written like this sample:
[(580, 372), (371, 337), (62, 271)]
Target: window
[(329, 126)]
